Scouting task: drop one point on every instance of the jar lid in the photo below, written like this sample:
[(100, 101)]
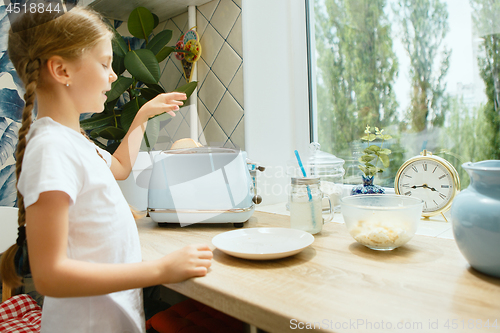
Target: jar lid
[(305, 181), (321, 158)]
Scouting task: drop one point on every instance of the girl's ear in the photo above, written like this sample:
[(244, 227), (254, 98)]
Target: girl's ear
[(57, 68)]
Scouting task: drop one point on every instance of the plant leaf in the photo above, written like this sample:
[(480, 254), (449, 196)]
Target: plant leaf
[(156, 20), (371, 170), (119, 87), (155, 87), (159, 41), (385, 151), (109, 107), (129, 112), (8, 139), (367, 158), (141, 23), (96, 121), (164, 53), (112, 147), (151, 134), (151, 91), (188, 89), (368, 151), (6, 65), (385, 160), (120, 48), (11, 105), (371, 137), (94, 134), (386, 137), (118, 65), (142, 64), (111, 133), (374, 148), (8, 191)]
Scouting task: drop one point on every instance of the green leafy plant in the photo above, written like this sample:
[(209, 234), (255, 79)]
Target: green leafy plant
[(133, 89), (374, 153)]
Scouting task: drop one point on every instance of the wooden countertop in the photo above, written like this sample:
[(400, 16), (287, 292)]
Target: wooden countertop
[(337, 283)]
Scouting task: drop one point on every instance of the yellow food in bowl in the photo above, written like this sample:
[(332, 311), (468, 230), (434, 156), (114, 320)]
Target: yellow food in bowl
[(376, 234)]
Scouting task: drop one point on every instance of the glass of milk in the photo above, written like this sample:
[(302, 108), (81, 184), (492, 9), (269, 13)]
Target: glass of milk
[(305, 201)]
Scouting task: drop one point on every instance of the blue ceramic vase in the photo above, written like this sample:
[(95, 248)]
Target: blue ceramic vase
[(367, 187), (475, 214)]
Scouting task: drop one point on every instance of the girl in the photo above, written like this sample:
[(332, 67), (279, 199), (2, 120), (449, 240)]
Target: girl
[(83, 248)]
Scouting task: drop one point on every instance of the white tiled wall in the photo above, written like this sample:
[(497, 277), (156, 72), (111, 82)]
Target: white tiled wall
[(220, 77)]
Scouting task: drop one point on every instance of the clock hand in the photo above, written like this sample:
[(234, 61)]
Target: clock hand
[(425, 186), (430, 188)]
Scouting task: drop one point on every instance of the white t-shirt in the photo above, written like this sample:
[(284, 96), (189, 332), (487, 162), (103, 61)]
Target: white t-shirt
[(101, 226)]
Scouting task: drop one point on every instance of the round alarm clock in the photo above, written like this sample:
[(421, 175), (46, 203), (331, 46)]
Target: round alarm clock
[(430, 178)]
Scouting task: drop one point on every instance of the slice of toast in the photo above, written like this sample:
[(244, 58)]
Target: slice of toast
[(185, 143)]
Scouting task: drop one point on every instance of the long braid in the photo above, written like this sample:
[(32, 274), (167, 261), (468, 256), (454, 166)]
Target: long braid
[(87, 137), (9, 275)]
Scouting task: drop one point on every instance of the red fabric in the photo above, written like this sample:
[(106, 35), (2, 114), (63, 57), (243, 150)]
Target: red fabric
[(191, 316), (20, 314)]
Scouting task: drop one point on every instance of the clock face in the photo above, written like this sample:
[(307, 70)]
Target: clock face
[(429, 180)]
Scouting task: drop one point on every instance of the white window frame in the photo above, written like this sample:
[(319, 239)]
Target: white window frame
[(276, 89)]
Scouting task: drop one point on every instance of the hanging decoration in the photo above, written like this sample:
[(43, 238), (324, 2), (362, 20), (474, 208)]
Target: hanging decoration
[(190, 43)]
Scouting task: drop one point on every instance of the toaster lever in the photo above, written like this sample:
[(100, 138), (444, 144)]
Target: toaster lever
[(253, 167), (257, 199)]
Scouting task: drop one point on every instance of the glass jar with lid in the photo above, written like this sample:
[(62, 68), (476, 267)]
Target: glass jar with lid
[(330, 170), (306, 210)]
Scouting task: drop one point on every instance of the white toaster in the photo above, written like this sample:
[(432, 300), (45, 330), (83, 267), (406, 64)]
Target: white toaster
[(202, 185)]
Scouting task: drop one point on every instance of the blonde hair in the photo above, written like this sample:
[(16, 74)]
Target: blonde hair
[(33, 39)]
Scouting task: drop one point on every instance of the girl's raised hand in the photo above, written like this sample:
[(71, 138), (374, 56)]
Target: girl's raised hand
[(167, 102), (190, 261)]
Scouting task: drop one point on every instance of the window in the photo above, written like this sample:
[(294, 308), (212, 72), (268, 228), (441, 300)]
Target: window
[(426, 71)]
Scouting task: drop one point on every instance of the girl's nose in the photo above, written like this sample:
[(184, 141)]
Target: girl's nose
[(112, 76)]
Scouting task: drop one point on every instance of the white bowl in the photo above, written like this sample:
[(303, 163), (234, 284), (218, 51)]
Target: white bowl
[(381, 221)]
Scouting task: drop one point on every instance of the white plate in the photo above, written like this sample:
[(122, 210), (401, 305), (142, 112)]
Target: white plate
[(263, 243)]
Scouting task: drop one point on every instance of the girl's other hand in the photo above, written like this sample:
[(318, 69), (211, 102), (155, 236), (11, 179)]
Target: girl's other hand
[(190, 261), (167, 102)]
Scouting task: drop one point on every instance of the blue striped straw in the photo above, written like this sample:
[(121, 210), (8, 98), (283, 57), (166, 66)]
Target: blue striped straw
[(308, 189)]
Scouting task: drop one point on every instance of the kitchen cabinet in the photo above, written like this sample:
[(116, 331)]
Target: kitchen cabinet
[(120, 9)]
